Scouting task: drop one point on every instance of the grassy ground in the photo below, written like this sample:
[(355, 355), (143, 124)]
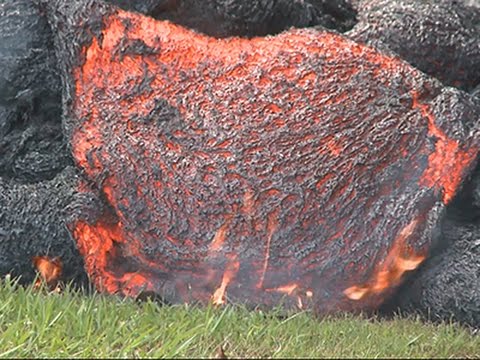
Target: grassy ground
[(73, 324)]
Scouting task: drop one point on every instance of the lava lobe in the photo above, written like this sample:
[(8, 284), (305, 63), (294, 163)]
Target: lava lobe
[(303, 165)]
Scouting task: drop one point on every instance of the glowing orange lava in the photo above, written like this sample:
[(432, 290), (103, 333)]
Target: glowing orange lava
[(49, 269), (388, 275), (286, 289), (232, 166), (219, 296), (446, 163)]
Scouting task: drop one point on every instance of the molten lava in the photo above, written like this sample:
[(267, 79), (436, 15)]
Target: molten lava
[(49, 270), (298, 165), (219, 295), (390, 271)]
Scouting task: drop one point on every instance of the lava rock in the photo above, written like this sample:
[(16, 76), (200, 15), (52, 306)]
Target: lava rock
[(224, 18), (33, 222), (40, 194), (441, 38), (31, 142), (475, 3), (447, 286)]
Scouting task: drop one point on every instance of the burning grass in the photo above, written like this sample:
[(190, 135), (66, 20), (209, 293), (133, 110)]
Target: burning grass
[(73, 324)]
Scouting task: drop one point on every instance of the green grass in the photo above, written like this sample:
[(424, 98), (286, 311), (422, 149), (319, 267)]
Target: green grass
[(73, 324)]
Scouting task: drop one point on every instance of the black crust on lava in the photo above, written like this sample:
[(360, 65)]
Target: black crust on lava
[(439, 37), (31, 142), (447, 286), (34, 219), (223, 18)]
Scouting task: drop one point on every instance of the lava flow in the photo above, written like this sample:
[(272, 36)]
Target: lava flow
[(282, 169)]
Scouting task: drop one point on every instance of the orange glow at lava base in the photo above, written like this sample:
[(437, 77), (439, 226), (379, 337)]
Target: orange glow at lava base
[(49, 270), (390, 272), (219, 296)]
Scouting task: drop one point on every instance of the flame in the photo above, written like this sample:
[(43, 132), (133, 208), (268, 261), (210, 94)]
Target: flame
[(390, 273), (49, 269), (219, 296), (356, 292), (285, 289), (272, 223), (99, 243)]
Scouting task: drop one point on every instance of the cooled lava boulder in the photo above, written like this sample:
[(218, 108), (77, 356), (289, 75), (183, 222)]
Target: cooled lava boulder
[(223, 18), (439, 37), (31, 143)]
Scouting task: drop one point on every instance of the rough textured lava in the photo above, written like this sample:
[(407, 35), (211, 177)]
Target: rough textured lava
[(447, 285), (439, 37), (223, 18), (31, 142), (303, 164), (33, 220)]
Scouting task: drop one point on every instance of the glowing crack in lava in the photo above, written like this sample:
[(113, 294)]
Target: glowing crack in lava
[(302, 169)]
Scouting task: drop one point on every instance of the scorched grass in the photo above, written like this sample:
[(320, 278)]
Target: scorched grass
[(75, 324)]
